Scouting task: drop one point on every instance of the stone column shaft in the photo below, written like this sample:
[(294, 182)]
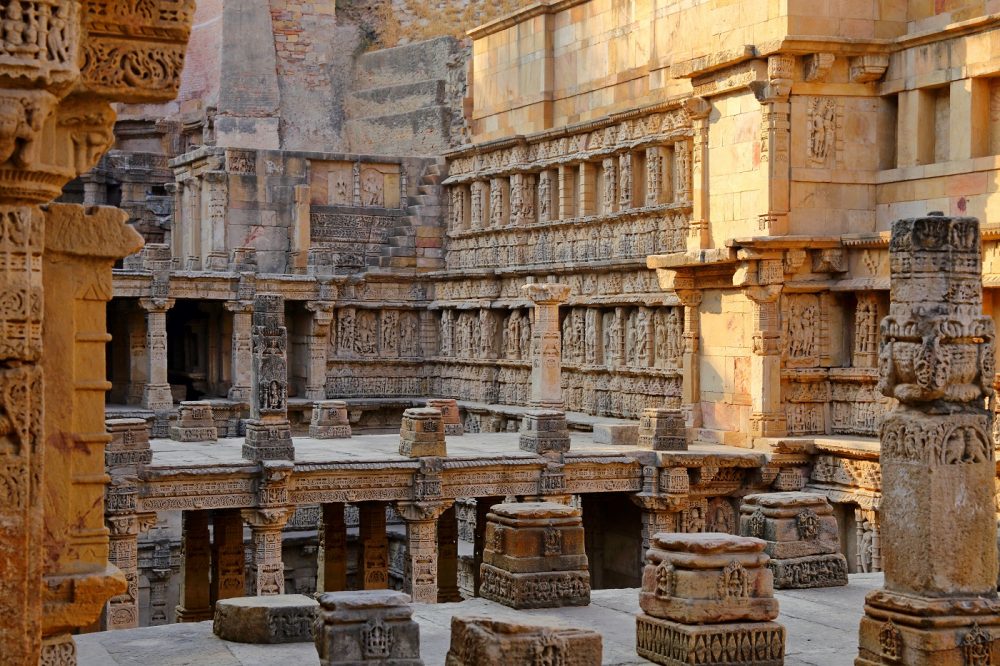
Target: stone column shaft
[(157, 396), (767, 417), (195, 603), (242, 349), (447, 537), (228, 555), (319, 343), (546, 345), (690, 358), (332, 558), (937, 514), (374, 566), (421, 577), (122, 610), (267, 569)]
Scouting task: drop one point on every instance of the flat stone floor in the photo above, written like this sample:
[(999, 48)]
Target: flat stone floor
[(822, 630), (372, 448)]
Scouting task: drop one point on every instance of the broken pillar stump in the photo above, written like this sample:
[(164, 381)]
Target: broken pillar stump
[(534, 556), (329, 420), (282, 618), (194, 423), (708, 599), (367, 627), (802, 537), (482, 641)]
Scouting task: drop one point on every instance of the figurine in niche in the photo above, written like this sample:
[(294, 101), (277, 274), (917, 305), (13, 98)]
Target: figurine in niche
[(371, 188)]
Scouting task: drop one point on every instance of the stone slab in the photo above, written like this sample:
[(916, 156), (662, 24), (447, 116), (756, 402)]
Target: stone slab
[(283, 618), (813, 571), (616, 435)]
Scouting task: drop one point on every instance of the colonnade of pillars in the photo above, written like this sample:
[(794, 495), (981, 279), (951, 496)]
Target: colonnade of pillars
[(214, 565)]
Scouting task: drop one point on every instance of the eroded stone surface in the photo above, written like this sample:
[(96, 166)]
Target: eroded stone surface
[(283, 618), (422, 433)]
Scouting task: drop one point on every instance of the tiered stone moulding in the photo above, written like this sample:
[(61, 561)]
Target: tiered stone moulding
[(544, 431), (194, 423), (662, 429), (365, 628), (282, 618), (483, 641), (329, 420), (708, 599), (422, 433), (449, 415), (802, 538), (535, 557)]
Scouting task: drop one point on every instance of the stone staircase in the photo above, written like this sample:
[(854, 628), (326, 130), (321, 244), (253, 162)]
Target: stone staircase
[(419, 243), (399, 100)]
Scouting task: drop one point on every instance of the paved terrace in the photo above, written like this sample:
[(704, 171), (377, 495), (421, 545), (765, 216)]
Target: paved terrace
[(368, 467), (822, 630)]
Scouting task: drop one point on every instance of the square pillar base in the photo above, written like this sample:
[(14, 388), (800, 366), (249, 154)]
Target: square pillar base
[(544, 431), (535, 590), (268, 441), (728, 644)]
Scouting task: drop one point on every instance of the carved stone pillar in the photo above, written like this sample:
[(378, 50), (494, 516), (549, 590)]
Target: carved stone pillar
[(214, 200), (138, 366), (228, 555), (664, 496), (767, 416), (266, 567), (331, 565), (698, 233), (373, 569), (938, 523), (866, 321), (195, 602), (522, 199), (546, 344), (319, 343), (477, 204), (483, 506), (127, 450), (548, 201), (269, 435), (421, 578), (775, 143), (690, 358), (447, 573), (242, 349), (157, 396)]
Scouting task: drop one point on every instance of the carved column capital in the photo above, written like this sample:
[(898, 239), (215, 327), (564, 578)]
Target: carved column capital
[(422, 512), (269, 519), (689, 298), (156, 304)]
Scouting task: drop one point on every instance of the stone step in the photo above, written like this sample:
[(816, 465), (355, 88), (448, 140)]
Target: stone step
[(400, 98), (421, 132), (405, 64)]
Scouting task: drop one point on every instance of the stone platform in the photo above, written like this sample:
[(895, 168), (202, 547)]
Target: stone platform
[(821, 627)]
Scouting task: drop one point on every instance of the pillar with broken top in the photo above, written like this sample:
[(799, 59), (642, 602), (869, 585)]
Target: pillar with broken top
[(939, 604)]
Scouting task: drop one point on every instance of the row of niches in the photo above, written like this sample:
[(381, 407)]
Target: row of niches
[(652, 177), (600, 393), (618, 337), (626, 238), (376, 333)]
